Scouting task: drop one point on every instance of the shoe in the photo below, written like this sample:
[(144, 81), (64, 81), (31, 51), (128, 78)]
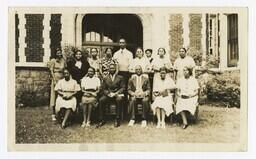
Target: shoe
[(54, 117), (100, 124), (163, 125), (83, 125), (144, 123), (158, 125), (184, 126), (117, 123), (88, 124), (63, 126), (131, 123)]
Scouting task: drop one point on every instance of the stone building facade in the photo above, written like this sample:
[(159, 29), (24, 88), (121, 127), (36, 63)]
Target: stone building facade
[(38, 33)]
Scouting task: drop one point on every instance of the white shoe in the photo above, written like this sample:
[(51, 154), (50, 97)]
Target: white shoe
[(88, 124), (158, 125), (144, 123), (83, 125), (54, 118), (163, 125), (131, 122)]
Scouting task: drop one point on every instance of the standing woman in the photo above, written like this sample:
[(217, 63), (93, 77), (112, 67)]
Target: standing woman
[(94, 61), (161, 61), (78, 68), (90, 86), (66, 101), (105, 62), (57, 66), (187, 95), (163, 103)]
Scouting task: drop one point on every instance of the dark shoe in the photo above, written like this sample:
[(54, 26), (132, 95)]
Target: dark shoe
[(117, 123), (100, 124), (184, 126)]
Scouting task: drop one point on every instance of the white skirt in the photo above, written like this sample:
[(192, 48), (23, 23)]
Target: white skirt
[(189, 104), (165, 103), (61, 103)]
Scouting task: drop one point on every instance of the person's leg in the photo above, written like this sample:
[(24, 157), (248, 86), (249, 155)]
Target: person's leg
[(119, 104), (84, 107), (158, 115), (102, 103), (184, 119), (132, 104), (145, 108), (67, 113), (89, 114), (163, 117)]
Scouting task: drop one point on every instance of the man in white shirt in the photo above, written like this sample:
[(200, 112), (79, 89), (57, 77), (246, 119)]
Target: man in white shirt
[(181, 62), (124, 58)]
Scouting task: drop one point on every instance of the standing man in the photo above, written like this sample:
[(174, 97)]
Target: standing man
[(113, 88), (181, 62), (124, 58), (139, 91)]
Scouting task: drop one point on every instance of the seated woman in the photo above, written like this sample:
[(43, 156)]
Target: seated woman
[(66, 89), (163, 103), (187, 95), (90, 86)]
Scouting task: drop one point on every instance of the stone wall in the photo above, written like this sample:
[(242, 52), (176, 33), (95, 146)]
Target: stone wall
[(32, 86), (175, 35)]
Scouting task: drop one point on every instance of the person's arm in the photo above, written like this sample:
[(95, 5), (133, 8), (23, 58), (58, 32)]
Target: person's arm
[(105, 88), (130, 85), (121, 85), (148, 89)]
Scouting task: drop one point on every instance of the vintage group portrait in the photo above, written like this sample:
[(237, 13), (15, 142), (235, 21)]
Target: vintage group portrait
[(127, 79)]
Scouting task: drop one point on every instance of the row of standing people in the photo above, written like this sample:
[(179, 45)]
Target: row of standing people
[(125, 63)]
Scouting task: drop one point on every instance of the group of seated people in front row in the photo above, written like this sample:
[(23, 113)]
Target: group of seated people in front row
[(118, 78)]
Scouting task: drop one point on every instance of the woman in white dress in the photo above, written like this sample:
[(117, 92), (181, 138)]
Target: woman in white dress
[(163, 103), (187, 92), (90, 85), (66, 89), (139, 60)]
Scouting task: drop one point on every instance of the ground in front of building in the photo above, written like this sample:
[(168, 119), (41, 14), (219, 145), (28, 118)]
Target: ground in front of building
[(215, 125)]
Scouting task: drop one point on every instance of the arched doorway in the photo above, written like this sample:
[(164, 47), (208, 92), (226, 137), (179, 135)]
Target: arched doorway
[(105, 30)]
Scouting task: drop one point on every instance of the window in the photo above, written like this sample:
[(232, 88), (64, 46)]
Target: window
[(232, 40)]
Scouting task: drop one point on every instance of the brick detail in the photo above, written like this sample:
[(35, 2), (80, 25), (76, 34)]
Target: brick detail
[(55, 33), (175, 34), (34, 37), (195, 34), (35, 81), (17, 38)]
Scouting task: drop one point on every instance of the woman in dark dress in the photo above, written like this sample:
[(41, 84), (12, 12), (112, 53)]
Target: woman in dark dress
[(78, 68)]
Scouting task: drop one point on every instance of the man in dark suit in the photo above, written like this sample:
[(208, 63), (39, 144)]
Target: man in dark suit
[(139, 91), (113, 87)]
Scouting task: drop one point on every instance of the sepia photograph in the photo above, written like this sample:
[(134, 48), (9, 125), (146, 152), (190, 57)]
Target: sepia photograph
[(127, 79)]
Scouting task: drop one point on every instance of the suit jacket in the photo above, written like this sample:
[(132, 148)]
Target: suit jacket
[(145, 84), (117, 85)]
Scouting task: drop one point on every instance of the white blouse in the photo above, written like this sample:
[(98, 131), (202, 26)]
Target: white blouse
[(90, 83), (187, 86)]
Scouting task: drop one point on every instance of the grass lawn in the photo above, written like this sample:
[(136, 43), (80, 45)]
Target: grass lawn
[(215, 125)]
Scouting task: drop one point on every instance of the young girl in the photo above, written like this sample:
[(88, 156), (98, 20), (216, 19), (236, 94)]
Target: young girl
[(90, 85), (163, 103), (66, 89), (187, 95)]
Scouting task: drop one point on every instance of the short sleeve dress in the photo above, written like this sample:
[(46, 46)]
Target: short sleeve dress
[(187, 87), (67, 87), (166, 102), (89, 85), (180, 63)]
